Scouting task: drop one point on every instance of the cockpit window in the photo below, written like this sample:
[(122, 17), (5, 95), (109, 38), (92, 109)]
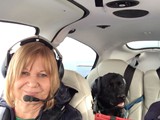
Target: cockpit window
[(144, 45), (10, 33)]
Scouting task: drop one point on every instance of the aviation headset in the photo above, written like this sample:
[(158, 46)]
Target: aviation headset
[(35, 38), (96, 89)]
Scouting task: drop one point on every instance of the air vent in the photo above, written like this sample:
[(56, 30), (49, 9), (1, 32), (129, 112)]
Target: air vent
[(131, 13), (103, 26), (122, 3)]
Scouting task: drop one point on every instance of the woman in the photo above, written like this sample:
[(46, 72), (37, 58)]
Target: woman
[(33, 89), (153, 112)]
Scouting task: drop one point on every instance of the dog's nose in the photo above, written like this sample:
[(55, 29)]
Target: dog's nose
[(122, 96)]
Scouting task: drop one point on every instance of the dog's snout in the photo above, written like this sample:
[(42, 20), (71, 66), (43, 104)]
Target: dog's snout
[(122, 96)]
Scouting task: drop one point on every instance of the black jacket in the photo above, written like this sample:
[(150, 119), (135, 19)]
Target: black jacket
[(153, 112), (61, 111)]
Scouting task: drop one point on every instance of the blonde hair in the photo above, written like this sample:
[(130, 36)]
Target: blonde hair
[(24, 56)]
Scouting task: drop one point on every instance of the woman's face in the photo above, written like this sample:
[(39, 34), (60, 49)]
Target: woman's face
[(34, 81)]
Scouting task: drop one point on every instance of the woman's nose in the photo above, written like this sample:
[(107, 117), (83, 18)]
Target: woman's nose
[(33, 81)]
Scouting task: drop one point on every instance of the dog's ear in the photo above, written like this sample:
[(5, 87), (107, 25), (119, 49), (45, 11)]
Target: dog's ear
[(95, 92), (96, 87)]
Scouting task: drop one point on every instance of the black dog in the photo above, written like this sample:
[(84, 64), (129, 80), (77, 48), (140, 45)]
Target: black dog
[(109, 96)]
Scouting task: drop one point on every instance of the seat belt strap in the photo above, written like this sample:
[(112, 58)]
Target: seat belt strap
[(128, 106), (158, 72), (128, 75), (135, 61), (129, 72)]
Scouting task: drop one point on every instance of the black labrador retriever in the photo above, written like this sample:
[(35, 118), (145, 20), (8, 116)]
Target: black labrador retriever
[(108, 92)]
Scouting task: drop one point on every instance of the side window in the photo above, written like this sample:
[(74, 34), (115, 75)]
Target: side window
[(77, 56), (10, 33)]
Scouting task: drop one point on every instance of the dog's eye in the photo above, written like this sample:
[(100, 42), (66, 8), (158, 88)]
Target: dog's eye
[(111, 85), (120, 84)]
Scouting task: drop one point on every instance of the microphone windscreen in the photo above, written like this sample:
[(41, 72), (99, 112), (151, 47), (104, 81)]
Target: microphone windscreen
[(28, 98)]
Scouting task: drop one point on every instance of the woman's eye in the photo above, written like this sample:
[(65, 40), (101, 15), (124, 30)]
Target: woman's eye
[(25, 73), (42, 75)]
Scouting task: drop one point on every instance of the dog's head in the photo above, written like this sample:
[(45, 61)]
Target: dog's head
[(109, 90)]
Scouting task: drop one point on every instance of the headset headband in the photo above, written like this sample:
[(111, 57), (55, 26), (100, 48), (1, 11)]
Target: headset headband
[(35, 38)]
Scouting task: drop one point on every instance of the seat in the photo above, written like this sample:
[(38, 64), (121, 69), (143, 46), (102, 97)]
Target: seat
[(151, 88), (82, 99), (136, 86)]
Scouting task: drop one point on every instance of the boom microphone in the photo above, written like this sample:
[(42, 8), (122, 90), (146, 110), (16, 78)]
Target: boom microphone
[(28, 98)]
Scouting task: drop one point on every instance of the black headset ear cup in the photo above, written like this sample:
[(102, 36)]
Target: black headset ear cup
[(4, 68), (5, 64), (60, 69)]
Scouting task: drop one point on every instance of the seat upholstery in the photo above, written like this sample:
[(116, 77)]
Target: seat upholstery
[(151, 89), (136, 87), (81, 100)]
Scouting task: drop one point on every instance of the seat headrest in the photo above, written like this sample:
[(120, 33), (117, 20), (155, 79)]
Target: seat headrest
[(106, 66)]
